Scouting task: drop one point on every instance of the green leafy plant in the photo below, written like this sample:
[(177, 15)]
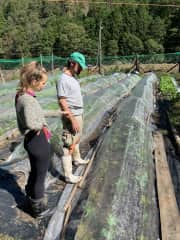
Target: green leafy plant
[(6, 237), (167, 88)]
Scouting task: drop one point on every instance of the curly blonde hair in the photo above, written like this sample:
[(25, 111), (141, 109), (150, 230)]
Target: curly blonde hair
[(31, 71)]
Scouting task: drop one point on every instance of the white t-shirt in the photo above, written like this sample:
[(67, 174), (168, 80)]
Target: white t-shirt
[(69, 88)]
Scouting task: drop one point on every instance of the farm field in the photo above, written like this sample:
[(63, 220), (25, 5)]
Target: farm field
[(120, 189), (126, 57)]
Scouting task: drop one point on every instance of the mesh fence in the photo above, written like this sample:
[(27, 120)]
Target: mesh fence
[(144, 59), (53, 61)]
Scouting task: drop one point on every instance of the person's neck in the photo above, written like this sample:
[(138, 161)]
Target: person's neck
[(30, 91), (69, 72)]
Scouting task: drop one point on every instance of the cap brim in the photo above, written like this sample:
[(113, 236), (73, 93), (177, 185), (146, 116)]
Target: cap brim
[(83, 66)]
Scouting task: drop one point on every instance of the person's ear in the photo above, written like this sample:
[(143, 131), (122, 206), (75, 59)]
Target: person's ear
[(34, 82), (72, 64)]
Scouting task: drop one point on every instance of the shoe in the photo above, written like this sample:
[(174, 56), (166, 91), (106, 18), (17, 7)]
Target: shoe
[(67, 166), (77, 160), (38, 208), (80, 161)]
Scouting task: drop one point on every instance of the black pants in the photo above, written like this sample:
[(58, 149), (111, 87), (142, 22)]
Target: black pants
[(38, 150)]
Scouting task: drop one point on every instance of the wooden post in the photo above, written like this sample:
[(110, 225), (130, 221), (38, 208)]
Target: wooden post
[(52, 62), (22, 60), (169, 212), (137, 64), (174, 67), (2, 77), (41, 60)]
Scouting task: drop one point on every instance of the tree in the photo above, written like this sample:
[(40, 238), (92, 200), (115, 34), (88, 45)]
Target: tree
[(72, 38), (172, 39), (151, 47), (157, 29), (44, 26), (130, 44), (112, 48), (15, 44), (143, 22)]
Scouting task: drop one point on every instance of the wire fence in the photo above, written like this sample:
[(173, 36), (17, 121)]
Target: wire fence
[(51, 62)]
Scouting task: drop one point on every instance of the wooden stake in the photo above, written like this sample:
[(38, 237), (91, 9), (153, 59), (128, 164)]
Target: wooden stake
[(2, 77)]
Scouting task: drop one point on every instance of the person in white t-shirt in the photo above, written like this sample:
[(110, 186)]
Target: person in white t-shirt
[(71, 103)]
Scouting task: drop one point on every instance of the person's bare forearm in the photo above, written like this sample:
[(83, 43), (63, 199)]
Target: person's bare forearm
[(65, 108), (67, 112)]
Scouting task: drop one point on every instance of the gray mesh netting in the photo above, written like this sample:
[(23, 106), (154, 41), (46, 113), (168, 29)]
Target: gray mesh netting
[(124, 162), (95, 104), (121, 202)]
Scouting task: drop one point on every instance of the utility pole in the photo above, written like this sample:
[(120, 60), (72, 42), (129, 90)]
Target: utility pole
[(100, 49)]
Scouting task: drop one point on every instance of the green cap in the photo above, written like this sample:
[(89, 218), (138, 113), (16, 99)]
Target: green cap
[(79, 57)]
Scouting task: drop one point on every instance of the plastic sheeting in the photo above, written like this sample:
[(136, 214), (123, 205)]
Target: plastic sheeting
[(176, 85), (122, 202), (47, 99), (14, 176), (96, 106), (99, 103), (7, 112), (102, 82)]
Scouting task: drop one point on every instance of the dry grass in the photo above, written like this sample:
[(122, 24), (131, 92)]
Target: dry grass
[(143, 68), (149, 67)]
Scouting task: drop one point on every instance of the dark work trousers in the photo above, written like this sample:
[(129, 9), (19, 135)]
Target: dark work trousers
[(38, 149)]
